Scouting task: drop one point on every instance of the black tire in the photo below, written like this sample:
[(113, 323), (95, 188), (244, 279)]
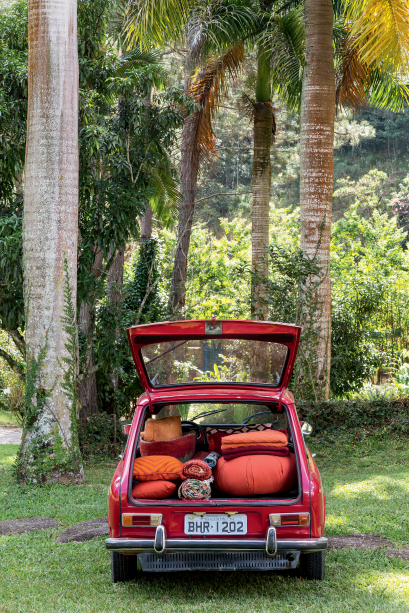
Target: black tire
[(123, 568), (312, 565)]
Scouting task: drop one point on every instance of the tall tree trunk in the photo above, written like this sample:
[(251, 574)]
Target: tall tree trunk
[(146, 225), (49, 451), (115, 278), (189, 169), (316, 171), (261, 184), (88, 391)]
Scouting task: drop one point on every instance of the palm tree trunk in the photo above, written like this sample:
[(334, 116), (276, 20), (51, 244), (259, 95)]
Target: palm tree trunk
[(261, 184), (316, 171), (49, 450)]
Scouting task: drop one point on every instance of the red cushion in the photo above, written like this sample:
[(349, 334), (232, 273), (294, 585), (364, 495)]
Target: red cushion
[(255, 474), (182, 448), (156, 490), (157, 468)]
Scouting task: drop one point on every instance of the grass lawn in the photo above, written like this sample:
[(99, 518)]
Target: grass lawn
[(367, 492), (7, 419)]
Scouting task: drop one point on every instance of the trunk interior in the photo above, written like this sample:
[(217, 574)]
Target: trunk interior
[(227, 419)]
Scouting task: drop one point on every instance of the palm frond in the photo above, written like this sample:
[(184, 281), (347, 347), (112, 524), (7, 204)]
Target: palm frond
[(247, 106), (388, 91), (156, 21), (207, 87), (352, 76), (381, 30), (137, 58), (219, 24), (359, 83), (165, 197), (286, 42)]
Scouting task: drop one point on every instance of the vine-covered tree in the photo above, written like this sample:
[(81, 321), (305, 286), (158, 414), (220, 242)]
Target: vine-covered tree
[(49, 449)]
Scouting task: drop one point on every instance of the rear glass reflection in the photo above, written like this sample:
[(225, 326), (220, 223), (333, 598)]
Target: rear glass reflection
[(214, 360)]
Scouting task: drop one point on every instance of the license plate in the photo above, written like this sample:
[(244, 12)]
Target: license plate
[(215, 524)]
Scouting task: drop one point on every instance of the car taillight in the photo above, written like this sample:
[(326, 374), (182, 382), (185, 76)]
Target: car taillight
[(141, 520), (289, 519)]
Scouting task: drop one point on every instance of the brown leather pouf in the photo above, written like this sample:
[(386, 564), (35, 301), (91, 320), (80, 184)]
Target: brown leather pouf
[(165, 429)]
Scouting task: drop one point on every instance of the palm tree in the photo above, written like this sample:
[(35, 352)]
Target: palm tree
[(376, 45), (212, 32), (50, 244)]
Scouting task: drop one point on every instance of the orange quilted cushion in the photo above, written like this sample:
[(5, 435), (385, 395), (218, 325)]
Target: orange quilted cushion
[(266, 437), (155, 490), (255, 474), (157, 467)]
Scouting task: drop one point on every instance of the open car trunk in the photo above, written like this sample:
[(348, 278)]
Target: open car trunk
[(208, 375), (206, 423)]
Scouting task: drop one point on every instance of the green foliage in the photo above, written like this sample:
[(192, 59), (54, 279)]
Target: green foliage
[(370, 290), (100, 436), (69, 382), (293, 289), (11, 273), (377, 415), (218, 279), (13, 100), (141, 293)]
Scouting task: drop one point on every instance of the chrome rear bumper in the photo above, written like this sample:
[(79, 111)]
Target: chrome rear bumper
[(160, 544)]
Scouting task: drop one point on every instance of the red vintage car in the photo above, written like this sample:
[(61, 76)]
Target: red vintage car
[(222, 377)]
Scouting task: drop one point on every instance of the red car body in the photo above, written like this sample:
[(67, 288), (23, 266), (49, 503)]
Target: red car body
[(272, 542)]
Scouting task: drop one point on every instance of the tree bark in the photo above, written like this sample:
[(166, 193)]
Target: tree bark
[(189, 169), (316, 171), (49, 450), (146, 225), (115, 278), (261, 184)]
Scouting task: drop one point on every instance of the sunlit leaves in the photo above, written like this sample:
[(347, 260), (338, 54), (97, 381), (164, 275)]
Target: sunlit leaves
[(381, 31)]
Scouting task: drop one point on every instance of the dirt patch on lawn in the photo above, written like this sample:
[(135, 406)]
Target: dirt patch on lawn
[(19, 526), (360, 541), (85, 531), (403, 553)]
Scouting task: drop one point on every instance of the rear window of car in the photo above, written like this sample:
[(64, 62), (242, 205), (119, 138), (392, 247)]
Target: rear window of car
[(214, 361), (227, 413)]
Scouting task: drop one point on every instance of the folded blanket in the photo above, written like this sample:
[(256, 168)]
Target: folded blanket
[(196, 469), (225, 446), (236, 453), (256, 438)]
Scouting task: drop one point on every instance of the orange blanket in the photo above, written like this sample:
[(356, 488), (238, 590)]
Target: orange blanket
[(265, 438)]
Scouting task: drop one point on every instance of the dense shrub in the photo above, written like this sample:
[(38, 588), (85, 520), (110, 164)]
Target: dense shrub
[(100, 436), (359, 417)]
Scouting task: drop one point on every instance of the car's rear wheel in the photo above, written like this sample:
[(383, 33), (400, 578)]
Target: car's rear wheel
[(123, 568), (312, 565)]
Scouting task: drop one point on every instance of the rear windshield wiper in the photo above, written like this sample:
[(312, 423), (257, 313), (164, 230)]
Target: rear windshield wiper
[(166, 351), (208, 413), (246, 421)]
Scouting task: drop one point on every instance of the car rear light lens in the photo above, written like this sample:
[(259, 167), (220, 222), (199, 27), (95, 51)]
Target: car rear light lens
[(289, 519), (141, 520)]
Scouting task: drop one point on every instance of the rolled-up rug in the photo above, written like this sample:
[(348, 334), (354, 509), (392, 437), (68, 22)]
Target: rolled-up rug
[(211, 459), (194, 489), (196, 469)]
